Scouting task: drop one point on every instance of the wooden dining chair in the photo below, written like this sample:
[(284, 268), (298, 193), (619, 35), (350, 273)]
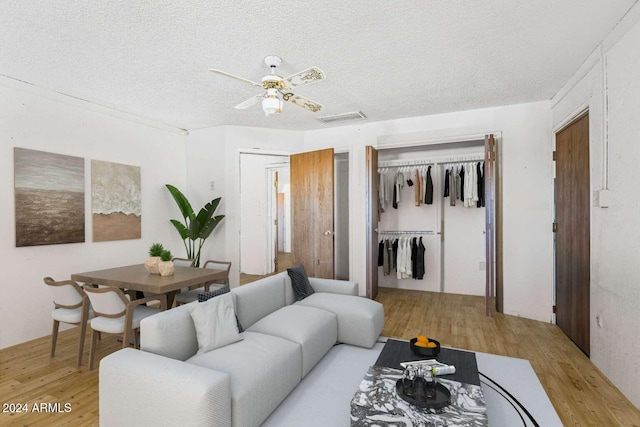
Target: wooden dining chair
[(71, 305), (116, 314), (191, 294), (183, 262)]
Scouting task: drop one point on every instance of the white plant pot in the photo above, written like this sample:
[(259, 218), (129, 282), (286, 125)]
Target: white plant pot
[(166, 268), (151, 264)]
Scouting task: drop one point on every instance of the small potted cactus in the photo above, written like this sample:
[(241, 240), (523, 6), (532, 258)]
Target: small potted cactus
[(166, 266), (151, 264)]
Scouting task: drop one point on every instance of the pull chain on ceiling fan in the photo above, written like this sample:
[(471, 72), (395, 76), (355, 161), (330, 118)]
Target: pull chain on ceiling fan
[(278, 88)]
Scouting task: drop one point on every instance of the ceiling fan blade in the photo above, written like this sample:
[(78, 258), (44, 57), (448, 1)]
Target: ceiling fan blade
[(249, 102), (307, 76), (303, 102), (224, 73)]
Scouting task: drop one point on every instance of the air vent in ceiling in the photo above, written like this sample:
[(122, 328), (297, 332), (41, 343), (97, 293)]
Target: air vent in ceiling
[(355, 115)]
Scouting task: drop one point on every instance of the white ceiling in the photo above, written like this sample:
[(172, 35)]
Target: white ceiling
[(389, 59)]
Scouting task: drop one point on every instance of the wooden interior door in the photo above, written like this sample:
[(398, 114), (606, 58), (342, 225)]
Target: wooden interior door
[(312, 205), (572, 238), (372, 222)]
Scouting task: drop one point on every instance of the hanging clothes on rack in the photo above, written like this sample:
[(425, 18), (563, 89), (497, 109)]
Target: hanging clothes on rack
[(394, 255), (470, 185), (399, 186), (428, 194), (405, 254), (480, 173), (452, 187), (418, 189), (414, 257), (420, 266), (386, 258), (446, 183), (461, 175), (407, 259), (402, 259)]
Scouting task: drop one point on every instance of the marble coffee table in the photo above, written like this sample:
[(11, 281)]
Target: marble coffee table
[(376, 402)]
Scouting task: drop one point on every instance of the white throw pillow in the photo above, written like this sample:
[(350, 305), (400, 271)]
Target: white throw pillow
[(215, 322)]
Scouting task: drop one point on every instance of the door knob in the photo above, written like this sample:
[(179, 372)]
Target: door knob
[(328, 233)]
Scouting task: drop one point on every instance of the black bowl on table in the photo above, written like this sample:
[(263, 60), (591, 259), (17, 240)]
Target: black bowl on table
[(428, 352)]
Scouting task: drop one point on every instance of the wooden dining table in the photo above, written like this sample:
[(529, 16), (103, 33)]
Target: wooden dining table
[(136, 277)]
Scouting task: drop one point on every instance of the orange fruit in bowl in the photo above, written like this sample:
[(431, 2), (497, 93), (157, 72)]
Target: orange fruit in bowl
[(422, 338), (431, 344), (421, 344)]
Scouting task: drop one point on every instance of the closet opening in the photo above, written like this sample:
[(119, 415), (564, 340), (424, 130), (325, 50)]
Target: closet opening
[(433, 221)]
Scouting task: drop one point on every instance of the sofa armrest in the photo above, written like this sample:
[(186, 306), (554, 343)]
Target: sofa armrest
[(143, 389), (344, 287)]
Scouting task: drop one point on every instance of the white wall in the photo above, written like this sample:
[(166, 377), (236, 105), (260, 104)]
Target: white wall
[(219, 149), (615, 235), (527, 188), (52, 124)]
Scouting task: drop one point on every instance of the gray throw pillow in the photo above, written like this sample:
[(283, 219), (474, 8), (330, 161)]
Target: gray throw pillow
[(223, 290), (300, 282)]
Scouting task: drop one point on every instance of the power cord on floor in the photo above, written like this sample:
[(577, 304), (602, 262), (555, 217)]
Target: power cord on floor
[(505, 398), (528, 414)]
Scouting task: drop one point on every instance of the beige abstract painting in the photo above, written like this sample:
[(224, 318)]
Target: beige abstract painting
[(49, 198), (116, 201)]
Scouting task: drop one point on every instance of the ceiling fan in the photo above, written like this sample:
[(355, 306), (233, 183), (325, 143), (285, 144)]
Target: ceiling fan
[(278, 88)]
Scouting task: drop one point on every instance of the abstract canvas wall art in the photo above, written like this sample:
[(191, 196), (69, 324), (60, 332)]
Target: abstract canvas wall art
[(49, 198), (116, 201)]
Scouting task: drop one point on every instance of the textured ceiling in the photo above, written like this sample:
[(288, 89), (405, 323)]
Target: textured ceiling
[(389, 59)]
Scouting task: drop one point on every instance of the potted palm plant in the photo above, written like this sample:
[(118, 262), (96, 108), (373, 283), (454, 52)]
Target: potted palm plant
[(196, 228)]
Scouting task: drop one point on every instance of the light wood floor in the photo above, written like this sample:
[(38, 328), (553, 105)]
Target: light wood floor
[(285, 260), (581, 395)]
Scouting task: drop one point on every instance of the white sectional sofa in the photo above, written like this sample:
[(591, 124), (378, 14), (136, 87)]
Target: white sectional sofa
[(168, 384)]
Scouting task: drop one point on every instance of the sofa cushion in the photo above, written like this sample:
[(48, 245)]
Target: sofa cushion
[(300, 282), (316, 331), (263, 370), (332, 286), (257, 299), (360, 320), (215, 322)]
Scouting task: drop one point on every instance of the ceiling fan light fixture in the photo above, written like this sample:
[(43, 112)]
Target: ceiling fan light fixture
[(271, 104)]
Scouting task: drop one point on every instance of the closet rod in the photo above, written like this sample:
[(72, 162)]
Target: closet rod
[(400, 163), (403, 164), (462, 161), (407, 232)]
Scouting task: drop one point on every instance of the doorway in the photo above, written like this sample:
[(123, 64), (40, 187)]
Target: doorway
[(267, 232), (279, 256), (572, 237), (258, 211)]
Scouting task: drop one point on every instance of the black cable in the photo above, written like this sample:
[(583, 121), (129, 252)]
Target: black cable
[(533, 420), (524, 423)]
